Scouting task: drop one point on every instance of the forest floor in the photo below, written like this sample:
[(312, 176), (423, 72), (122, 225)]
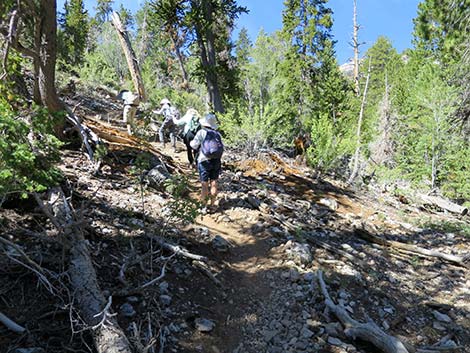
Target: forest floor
[(276, 225)]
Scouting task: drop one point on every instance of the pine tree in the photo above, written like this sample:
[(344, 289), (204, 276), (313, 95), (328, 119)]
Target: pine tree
[(74, 32), (306, 30), (103, 10)]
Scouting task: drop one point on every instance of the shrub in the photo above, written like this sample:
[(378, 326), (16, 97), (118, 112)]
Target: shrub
[(28, 150)]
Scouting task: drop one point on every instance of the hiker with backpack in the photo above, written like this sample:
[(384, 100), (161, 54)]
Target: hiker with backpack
[(191, 126), (211, 148), (169, 113), (131, 102)]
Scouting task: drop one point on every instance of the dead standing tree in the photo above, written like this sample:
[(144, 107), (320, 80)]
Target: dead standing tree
[(355, 169), (131, 58)]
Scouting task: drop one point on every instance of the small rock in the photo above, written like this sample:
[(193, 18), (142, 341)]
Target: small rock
[(330, 203), (204, 231), (136, 222), (441, 317), (276, 231), (299, 253), (133, 299), (204, 325), (309, 276), (294, 275), (269, 334), (253, 201), (220, 244), (127, 310), (163, 287), (438, 326), (332, 329), (449, 343), (165, 299), (335, 341), (302, 345), (306, 333)]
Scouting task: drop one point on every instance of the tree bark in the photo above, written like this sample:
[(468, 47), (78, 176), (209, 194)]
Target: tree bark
[(108, 336), (206, 43), (356, 50), (48, 54), (184, 73), (355, 169), (131, 58)]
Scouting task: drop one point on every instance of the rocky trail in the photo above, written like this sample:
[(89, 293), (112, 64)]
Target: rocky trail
[(258, 287)]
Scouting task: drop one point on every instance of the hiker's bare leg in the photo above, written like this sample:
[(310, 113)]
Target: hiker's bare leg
[(213, 191), (204, 192)]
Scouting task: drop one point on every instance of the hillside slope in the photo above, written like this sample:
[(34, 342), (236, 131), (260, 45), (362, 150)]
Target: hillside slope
[(276, 225)]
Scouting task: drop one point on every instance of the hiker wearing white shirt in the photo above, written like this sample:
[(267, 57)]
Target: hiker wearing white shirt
[(131, 102)]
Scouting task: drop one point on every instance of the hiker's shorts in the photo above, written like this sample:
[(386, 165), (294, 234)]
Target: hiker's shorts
[(209, 170)]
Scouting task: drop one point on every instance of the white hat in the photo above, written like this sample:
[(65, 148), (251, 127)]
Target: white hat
[(165, 101), (210, 121), (191, 112)]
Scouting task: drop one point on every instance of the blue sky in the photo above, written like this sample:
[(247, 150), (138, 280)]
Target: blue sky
[(390, 18)]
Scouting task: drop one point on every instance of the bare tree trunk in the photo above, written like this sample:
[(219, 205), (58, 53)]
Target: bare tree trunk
[(355, 168), (356, 50), (184, 73), (130, 56), (48, 54), (206, 43)]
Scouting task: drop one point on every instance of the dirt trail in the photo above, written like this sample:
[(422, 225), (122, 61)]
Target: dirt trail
[(269, 300), (242, 272)]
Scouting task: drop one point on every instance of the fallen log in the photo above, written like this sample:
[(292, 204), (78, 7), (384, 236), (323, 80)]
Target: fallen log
[(122, 140), (108, 336), (369, 332), (364, 234), (444, 204)]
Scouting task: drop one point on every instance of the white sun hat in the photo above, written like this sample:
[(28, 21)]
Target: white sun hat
[(210, 121)]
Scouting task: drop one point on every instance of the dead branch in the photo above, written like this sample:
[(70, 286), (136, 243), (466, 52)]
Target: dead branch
[(85, 133), (204, 268), (30, 265), (105, 315), (459, 260), (369, 332), (178, 250), (162, 274), (335, 250), (132, 261), (10, 324)]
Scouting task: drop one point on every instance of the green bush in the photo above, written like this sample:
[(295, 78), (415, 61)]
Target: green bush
[(28, 150)]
